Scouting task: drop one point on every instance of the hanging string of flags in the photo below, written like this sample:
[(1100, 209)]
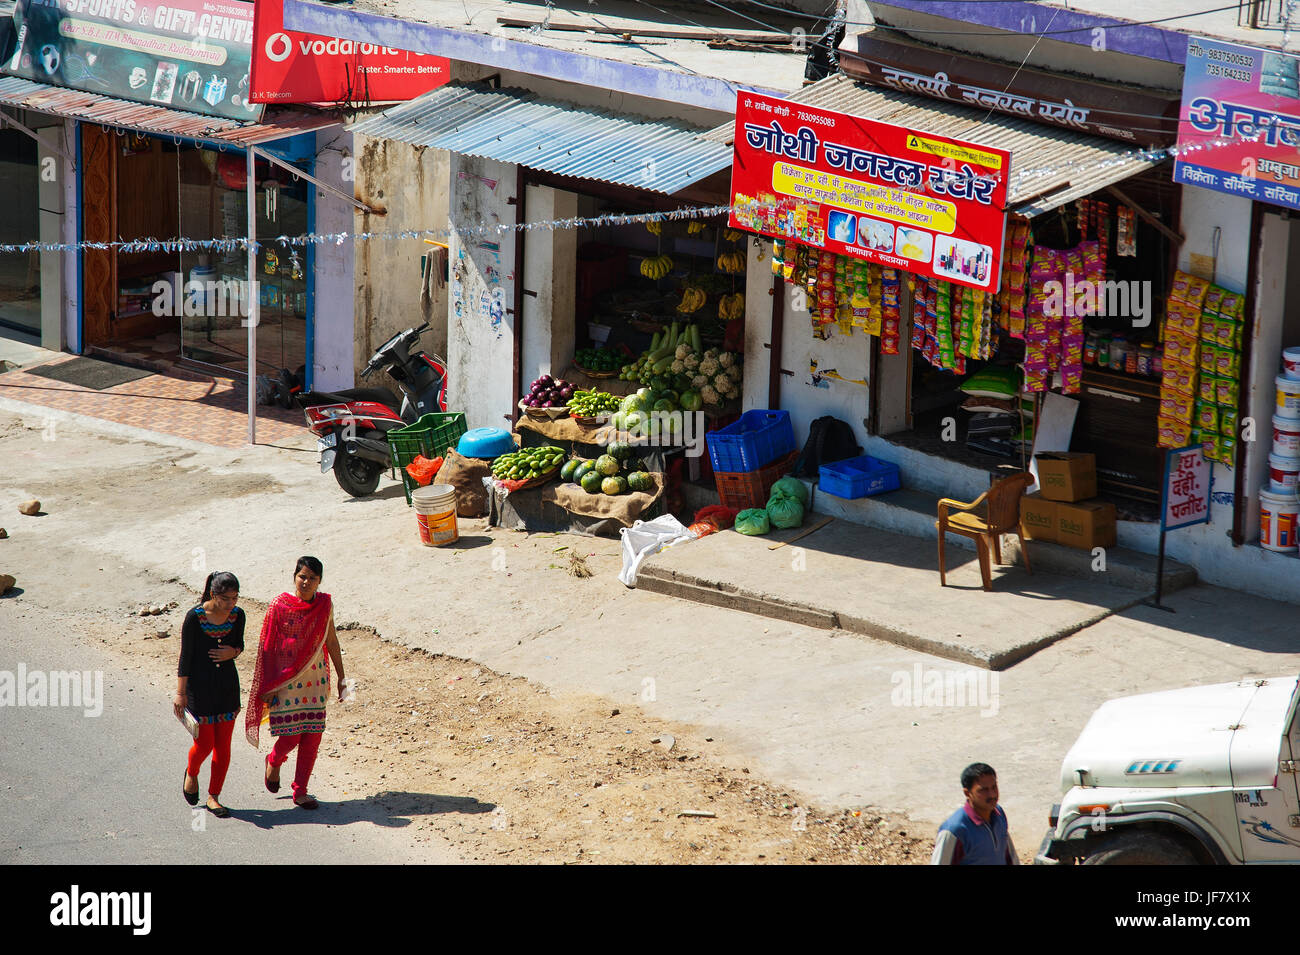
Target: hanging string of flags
[(241, 243)]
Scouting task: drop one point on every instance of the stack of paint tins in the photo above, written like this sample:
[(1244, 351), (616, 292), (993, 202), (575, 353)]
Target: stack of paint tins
[(1279, 508)]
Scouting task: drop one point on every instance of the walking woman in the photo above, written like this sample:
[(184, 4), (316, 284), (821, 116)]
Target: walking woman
[(292, 680), (207, 683)]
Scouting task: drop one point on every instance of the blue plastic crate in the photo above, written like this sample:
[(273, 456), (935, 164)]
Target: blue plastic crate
[(858, 477), (753, 442)]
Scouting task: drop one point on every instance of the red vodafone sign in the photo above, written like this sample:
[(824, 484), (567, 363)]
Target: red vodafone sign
[(290, 67)]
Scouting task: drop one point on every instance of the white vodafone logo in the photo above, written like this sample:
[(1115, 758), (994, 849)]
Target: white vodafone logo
[(285, 47)]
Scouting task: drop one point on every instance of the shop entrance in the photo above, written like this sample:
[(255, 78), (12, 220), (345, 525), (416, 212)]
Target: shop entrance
[(191, 306), (20, 273)]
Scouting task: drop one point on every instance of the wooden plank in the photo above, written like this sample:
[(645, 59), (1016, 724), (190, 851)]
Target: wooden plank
[(1146, 217), (816, 527), (682, 33)]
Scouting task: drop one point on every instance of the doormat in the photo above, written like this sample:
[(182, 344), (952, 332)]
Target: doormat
[(90, 373)]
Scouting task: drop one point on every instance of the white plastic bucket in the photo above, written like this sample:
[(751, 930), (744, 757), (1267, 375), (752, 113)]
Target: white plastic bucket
[(1283, 474), (1288, 397), (1291, 362), (1286, 437), (203, 296), (1278, 515), (435, 513)]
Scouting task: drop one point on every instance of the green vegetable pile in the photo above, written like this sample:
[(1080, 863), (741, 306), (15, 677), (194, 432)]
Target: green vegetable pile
[(527, 464), (590, 404), (615, 472), (598, 359)]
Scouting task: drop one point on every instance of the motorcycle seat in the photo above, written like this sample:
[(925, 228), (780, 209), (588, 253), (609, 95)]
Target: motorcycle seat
[(380, 395)]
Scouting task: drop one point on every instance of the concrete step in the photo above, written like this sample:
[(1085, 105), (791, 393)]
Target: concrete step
[(912, 512)]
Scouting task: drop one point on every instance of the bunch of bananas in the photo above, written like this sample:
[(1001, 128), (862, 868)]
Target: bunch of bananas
[(695, 228), (657, 267), (692, 300), (655, 228), (731, 235), (731, 262), (731, 306)]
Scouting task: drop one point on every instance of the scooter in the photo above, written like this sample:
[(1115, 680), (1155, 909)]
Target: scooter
[(352, 425)]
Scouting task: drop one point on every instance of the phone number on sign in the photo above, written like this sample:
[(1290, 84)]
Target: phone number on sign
[(814, 118)]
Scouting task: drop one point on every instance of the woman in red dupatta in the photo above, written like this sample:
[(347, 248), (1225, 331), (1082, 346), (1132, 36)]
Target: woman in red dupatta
[(292, 681)]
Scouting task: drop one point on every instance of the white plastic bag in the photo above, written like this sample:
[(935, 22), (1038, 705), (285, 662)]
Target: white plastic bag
[(645, 538)]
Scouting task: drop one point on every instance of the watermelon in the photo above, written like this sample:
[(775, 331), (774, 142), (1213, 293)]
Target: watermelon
[(614, 486), (566, 472), (591, 482), (619, 450), (640, 481), (581, 471), (607, 465)]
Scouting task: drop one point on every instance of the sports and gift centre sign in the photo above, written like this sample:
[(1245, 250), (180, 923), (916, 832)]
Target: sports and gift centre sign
[(184, 54), (899, 197), (291, 67), (1240, 122)]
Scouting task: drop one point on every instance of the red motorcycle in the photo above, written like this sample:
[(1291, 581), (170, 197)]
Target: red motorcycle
[(352, 425)]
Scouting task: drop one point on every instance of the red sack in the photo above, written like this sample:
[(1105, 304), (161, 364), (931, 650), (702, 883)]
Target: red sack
[(703, 528), (719, 515), (422, 469)]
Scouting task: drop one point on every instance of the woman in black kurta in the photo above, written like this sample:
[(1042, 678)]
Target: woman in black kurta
[(207, 683)]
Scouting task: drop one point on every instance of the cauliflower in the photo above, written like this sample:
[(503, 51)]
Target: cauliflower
[(723, 383), (682, 351), (709, 367), (726, 359), (698, 382), (691, 361), (709, 396), (679, 367), (711, 353)]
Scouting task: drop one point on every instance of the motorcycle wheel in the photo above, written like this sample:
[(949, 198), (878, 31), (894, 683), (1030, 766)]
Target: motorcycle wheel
[(355, 475)]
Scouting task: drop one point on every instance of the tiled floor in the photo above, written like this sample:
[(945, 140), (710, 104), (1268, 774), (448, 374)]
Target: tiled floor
[(181, 403)]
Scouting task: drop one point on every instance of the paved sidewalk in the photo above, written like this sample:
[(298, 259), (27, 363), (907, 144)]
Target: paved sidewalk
[(183, 404), (884, 585)]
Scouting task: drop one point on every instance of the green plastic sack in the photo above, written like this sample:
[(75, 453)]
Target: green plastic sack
[(753, 522), (784, 512), (792, 489)]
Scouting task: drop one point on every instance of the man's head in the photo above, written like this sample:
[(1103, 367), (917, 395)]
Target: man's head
[(980, 784)]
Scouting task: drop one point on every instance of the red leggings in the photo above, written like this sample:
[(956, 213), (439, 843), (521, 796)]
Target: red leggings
[(308, 744), (213, 738)]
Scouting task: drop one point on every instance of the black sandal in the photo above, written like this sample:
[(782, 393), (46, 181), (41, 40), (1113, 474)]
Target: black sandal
[(271, 787), (221, 812), (190, 797), (308, 802)]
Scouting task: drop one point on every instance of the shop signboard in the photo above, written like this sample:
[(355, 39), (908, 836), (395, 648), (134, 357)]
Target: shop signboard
[(291, 67), (1240, 122), (183, 54), (1186, 498), (903, 198)]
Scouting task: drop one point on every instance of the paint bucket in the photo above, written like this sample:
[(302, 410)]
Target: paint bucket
[(1286, 437), (1283, 474), (1278, 514), (1291, 362), (435, 512), (1288, 397)]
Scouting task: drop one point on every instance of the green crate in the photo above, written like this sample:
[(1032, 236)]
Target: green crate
[(431, 435)]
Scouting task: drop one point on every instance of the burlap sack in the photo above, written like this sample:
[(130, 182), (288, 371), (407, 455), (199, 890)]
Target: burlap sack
[(466, 476), (625, 508)]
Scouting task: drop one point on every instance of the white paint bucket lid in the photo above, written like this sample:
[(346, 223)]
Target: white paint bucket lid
[(1285, 501), (434, 495)]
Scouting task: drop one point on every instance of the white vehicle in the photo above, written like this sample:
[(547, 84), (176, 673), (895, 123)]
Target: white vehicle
[(1203, 775)]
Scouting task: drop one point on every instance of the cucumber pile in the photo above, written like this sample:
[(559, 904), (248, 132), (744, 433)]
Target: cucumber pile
[(526, 464)]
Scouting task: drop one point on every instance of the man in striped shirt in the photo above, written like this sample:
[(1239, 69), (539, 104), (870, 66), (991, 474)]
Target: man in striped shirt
[(977, 833)]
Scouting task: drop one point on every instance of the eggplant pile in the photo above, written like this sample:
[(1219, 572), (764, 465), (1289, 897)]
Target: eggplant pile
[(548, 392)]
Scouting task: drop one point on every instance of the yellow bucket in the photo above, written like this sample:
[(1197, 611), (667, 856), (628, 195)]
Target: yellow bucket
[(435, 514)]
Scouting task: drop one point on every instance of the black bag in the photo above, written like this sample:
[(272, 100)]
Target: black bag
[(829, 440)]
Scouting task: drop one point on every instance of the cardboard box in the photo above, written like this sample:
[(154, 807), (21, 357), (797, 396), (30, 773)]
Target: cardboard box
[(1066, 476), (1038, 517), (1085, 524)]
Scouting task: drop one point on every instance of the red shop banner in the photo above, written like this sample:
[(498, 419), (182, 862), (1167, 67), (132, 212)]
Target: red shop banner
[(899, 197), (291, 67)]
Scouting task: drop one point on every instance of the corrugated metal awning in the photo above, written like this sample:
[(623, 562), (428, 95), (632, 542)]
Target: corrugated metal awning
[(516, 126), (109, 111), (1049, 166)]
